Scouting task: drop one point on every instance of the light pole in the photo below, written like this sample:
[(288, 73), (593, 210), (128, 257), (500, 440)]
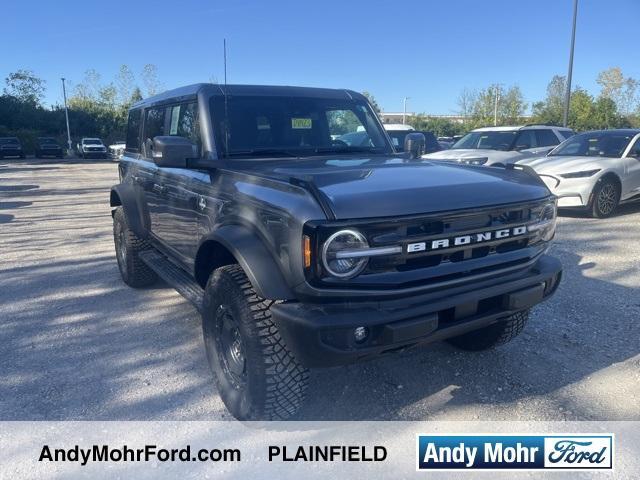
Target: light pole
[(495, 106), (567, 94), (66, 114), (404, 111)]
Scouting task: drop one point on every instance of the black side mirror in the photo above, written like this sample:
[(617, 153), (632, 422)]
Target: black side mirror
[(172, 151), (414, 145)]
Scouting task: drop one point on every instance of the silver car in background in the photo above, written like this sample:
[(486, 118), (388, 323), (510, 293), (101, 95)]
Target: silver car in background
[(116, 149), (500, 146), (593, 170)]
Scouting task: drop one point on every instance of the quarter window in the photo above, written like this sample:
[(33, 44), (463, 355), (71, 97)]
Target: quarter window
[(133, 131)]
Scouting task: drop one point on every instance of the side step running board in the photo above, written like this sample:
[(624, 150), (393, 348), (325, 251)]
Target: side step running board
[(174, 276)]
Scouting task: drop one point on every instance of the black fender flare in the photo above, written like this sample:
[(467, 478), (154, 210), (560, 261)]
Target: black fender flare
[(255, 259), (125, 195)]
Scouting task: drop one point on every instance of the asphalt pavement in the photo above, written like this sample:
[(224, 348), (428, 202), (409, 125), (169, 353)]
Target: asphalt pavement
[(77, 344)]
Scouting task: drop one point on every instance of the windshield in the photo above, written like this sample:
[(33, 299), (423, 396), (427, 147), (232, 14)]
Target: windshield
[(492, 140), (594, 144), (92, 141), (7, 141), (274, 126)]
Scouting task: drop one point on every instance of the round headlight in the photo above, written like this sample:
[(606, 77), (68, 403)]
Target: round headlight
[(547, 213), (335, 254)]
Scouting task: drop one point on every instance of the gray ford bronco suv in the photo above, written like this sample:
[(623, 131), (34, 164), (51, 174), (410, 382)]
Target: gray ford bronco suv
[(300, 250)]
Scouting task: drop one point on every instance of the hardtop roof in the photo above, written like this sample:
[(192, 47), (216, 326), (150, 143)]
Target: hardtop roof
[(248, 90)]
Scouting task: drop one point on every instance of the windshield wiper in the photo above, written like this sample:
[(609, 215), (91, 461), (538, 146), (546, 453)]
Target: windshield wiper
[(348, 149), (261, 151)]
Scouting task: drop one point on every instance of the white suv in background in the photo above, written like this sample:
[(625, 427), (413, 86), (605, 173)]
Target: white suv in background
[(500, 146), (91, 148)]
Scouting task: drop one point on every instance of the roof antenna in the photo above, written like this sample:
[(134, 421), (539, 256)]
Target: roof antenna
[(226, 111)]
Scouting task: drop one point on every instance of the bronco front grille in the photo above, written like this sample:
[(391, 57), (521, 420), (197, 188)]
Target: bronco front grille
[(417, 267)]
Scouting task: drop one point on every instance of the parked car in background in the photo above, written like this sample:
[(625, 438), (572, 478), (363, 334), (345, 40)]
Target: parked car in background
[(92, 148), (500, 146), (445, 142), (48, 146), (11, 147), (593, 170), (398, 136), (397, 126), (116, 149)]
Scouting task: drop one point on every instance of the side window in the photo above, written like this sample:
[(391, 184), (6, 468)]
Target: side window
[(635, 150), (133, 131), (184, 122), (153, 127), (343, 121), (526, 139), (546, 138)]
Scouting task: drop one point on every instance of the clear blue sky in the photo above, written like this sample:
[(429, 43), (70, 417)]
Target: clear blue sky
[(426, 49)]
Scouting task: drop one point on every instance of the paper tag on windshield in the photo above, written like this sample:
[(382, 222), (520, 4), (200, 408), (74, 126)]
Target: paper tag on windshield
[(301, 123)]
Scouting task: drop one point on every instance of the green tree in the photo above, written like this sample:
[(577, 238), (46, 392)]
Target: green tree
[(25, 86), (480, 106), (620, 89), (150, 82), (438, 126), (551, 109)]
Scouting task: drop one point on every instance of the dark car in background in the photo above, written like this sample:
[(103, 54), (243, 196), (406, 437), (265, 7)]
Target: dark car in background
[(397, 139), (11, 147), (48, 147)]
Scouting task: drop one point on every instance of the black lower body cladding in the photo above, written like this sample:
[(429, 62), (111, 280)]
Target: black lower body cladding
[(324, 335)]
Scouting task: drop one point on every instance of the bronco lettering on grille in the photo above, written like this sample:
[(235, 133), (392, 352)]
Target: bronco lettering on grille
[(461, 240)]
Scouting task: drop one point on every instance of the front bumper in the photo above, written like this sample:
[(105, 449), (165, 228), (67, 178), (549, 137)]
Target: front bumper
[(11, 152), (94, 154), (322, 335), (571, 192)]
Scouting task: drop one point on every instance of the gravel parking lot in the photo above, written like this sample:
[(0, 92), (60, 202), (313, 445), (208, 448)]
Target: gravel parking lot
[(76, 343)]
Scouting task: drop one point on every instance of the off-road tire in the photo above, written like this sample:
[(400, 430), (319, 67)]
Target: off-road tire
[(271, 383), (605, 198), (133, 270), (496, 334)]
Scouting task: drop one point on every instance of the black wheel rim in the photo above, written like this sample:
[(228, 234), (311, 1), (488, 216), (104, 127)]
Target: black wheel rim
[(121, 247), (607, 199), (230, 347)]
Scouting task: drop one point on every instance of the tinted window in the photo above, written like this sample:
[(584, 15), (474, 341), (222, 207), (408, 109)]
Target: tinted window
[(635, 150), (546, 138), (525, 139), (492, 140), (184, 121), (153, 127), (595, 144), (133, 131), (265, 126)]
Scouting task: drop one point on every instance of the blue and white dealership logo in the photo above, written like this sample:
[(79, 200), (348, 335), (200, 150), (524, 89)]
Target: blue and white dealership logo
[(515, 452)]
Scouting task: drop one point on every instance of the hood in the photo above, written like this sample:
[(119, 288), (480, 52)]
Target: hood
[(556, 165), (390, 186), (457, 153)]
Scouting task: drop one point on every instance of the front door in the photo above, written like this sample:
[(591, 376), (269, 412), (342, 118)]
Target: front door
[(631, 180), (172, 203)]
